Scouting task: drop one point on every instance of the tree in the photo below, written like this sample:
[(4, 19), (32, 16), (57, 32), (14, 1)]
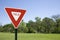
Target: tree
[(38, 24), (8, 28), (57, 20), (55, 17), (34, 27), (22, 27), (48, 25), (1, 28), (58, 25), (31, 27)]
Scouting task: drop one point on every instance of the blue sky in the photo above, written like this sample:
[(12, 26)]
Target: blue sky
[(34, 8)]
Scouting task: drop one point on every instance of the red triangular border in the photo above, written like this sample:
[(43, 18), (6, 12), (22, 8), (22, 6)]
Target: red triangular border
[(15, 23)]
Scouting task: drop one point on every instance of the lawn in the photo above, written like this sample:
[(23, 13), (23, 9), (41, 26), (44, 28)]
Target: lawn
[(32, 36)]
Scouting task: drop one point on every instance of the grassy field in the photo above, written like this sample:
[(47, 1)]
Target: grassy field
[(25, 36)]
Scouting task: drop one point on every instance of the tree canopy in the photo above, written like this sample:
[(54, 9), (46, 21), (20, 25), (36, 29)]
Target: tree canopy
[(46, 25)]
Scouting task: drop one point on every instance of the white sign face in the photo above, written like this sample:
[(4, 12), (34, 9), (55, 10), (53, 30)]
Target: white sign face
[(16, 15)]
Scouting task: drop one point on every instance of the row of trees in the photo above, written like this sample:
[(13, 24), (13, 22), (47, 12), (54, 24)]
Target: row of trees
[(46, 25)]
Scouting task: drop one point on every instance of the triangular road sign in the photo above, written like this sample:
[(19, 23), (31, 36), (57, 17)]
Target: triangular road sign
[(15, 15)]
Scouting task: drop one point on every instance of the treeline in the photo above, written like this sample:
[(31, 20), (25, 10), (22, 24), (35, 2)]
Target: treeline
[(46, 25)]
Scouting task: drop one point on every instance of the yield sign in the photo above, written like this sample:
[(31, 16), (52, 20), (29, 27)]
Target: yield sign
[(15, 15)]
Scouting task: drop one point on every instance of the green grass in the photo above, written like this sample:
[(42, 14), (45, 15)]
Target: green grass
[(32, 36)]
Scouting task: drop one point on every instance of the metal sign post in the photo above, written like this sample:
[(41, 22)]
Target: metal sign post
[(15, 34)]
